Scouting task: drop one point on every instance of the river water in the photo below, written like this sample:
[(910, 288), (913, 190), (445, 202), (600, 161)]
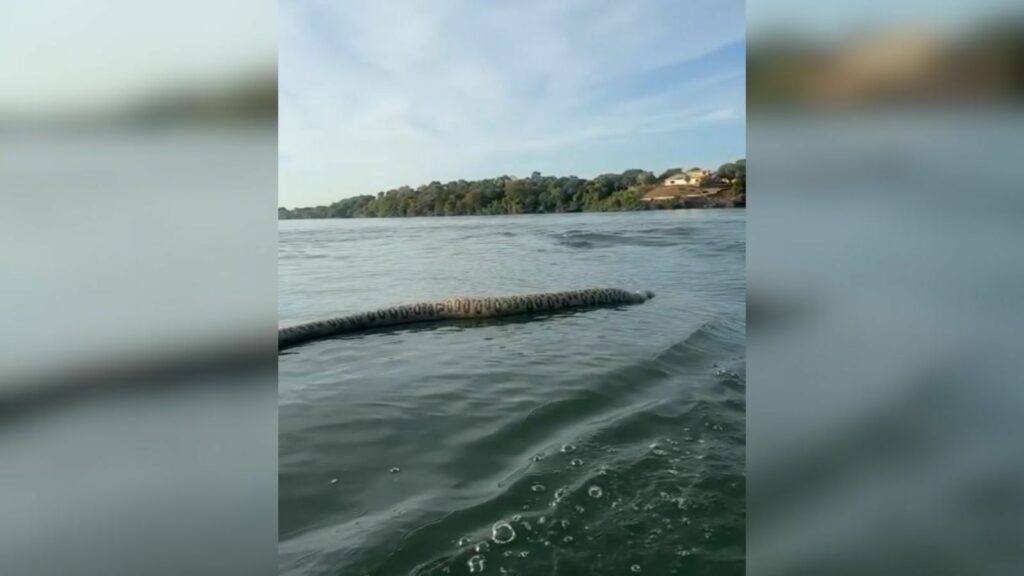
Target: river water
[(606, 441)]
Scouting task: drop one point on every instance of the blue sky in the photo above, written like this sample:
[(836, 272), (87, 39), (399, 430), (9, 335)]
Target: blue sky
[(376, 95)]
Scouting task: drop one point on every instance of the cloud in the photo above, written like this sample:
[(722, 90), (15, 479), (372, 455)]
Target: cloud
[(378, 95)]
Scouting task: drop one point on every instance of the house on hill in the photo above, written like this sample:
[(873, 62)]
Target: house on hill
[(678, 180), (692, 177)]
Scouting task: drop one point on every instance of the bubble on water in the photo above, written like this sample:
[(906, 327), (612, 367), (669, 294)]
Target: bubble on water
[(464, 541), (503, 533), (483, 546), (565, 523), (561, 493), (476, 563), (567, 539), (542, 520), (527, 527), (580, 509), (524, 553), (653, 445), (395, 470), (538, 488), (595, 491), (659, 452), (538, 457), (334, 480), (507, 553), (517, 517), (576, 463), (634, 568), (568, 448)]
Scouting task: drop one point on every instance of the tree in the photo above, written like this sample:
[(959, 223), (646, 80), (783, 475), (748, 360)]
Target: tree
[(670, 172), (502, 195), (727, 171)]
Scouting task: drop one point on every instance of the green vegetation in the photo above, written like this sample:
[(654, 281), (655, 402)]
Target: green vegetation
[(735, 172), (504, 195)]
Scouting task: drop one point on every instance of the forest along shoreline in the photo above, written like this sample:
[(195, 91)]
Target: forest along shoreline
[(631, 190)]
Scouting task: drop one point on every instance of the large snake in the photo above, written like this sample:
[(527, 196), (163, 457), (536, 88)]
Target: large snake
[(456, 309)]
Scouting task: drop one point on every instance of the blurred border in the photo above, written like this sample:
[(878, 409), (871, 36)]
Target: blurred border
[(138, 398), (884, 214)]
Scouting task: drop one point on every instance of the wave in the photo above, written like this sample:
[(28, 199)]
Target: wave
[(647, 237), (641, 464)]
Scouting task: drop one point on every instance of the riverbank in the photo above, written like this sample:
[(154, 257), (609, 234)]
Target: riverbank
[(539, 194)]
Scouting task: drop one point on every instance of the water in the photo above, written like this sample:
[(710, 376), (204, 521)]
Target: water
[(632, 419)]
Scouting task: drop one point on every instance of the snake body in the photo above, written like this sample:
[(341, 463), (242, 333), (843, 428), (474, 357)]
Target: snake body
[(457, 309)]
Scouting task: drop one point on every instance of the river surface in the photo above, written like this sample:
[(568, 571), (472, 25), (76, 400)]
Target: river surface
[(606, 441)]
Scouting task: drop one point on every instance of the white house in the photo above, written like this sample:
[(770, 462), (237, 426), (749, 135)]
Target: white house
[(679, 180), (694, 177)]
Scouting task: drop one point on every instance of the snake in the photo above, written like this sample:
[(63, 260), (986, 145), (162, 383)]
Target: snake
[(458, 308)]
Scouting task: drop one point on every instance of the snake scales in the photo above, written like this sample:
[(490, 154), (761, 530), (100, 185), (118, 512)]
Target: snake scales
[(456, 309)]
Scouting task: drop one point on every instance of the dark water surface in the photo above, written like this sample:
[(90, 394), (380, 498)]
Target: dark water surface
[(610, 441)]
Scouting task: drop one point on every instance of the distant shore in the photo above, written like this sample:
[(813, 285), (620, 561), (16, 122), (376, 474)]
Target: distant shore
[(631, 191), (711, 201)]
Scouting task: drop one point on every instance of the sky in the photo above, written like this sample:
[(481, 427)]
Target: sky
[(377, 95)]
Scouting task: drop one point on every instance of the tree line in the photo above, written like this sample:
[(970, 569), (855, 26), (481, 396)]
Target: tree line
[(537, 194)]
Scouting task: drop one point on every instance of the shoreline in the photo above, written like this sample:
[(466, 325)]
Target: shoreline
[(714, 201), (735, 207), (632, 190)]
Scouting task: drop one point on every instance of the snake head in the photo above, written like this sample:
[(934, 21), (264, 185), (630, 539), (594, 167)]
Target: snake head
[(644, 295)]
